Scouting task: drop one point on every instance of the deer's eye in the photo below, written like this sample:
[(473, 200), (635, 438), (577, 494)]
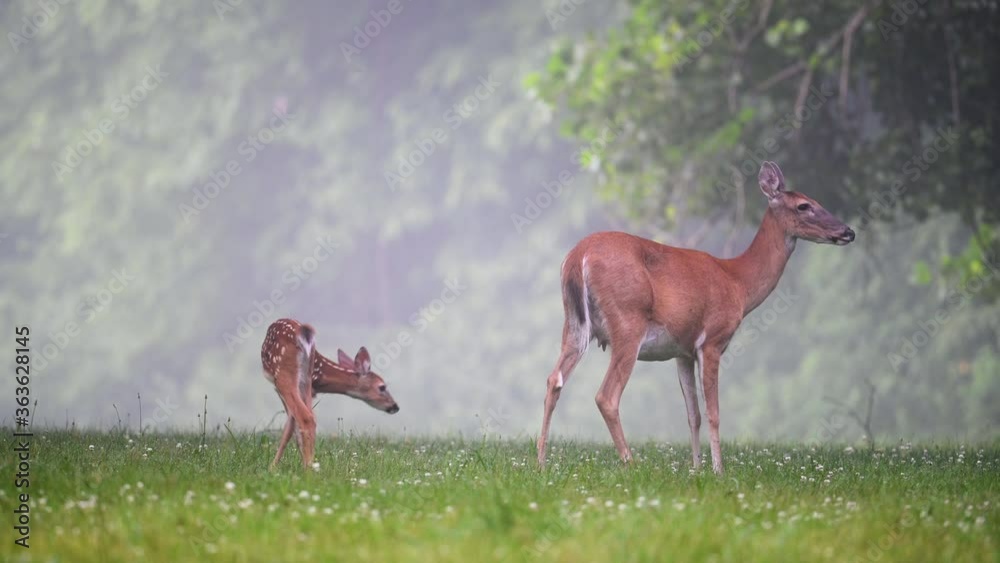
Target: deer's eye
[(804, 207), (381, 388)]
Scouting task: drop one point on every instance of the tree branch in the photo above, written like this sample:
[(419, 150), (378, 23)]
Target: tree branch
[(845, 64), (800, 99), (956, 114), (868, 415), (823, 49), (866, 422), (849, 410), (741, 47), (765, 10), (787, 72)]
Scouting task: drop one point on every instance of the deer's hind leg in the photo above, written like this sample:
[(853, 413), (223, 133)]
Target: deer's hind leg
[(624, 354), (286, 435), (686, 376), (569, 357), (300, 414)]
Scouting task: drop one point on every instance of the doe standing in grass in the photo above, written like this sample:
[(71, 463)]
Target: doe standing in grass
[(653, 302), (298, 371)]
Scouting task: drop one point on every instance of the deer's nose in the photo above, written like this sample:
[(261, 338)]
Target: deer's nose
[(393, 409), (845, 237)]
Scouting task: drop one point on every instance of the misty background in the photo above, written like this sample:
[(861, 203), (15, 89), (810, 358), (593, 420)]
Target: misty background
[(408, 176)]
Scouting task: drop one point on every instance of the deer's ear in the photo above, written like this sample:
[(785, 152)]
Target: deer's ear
[(344, 360), (363, 362), (772, 181)]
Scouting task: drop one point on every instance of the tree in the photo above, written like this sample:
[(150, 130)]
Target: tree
[(879, 110)]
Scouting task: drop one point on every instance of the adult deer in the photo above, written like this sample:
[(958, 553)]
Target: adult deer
[(653, 302), (298, 371)]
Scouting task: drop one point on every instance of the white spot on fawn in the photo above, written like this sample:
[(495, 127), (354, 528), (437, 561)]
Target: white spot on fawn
[(559, 382)]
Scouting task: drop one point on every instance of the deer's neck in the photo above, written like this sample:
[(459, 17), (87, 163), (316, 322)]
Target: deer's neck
[(329, 377), (760, 266)]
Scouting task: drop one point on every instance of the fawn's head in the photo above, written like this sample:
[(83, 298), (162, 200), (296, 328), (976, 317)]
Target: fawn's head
[(371, 387), (798, 214)]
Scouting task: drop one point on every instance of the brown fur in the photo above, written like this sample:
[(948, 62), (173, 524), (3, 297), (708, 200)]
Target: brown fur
[(629, 288), (288, 364), (324, 376)]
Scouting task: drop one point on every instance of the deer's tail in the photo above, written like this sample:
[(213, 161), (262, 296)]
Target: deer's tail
[(306, 341), (576, 302)]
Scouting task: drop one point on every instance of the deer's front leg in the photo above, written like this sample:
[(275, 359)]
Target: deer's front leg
[(710, 356)]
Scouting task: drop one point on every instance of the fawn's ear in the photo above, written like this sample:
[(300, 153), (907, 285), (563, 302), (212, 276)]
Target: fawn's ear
[(772, 181), (344, 360), (363, 362)]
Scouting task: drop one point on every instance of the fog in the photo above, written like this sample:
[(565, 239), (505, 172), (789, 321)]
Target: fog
[(178, 176)]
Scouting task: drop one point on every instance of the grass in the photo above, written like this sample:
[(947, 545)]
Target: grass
[(98, 496)]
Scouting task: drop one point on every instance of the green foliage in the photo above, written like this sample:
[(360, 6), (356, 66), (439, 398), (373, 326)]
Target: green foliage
[(708, 90)]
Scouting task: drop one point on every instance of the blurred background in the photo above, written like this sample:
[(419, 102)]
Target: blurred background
[(408, 175)]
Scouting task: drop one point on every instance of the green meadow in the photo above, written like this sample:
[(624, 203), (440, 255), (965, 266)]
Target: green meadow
[(109, 496)]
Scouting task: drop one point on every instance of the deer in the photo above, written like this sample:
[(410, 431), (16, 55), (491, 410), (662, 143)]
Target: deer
[(652, 302), (299, 371)]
